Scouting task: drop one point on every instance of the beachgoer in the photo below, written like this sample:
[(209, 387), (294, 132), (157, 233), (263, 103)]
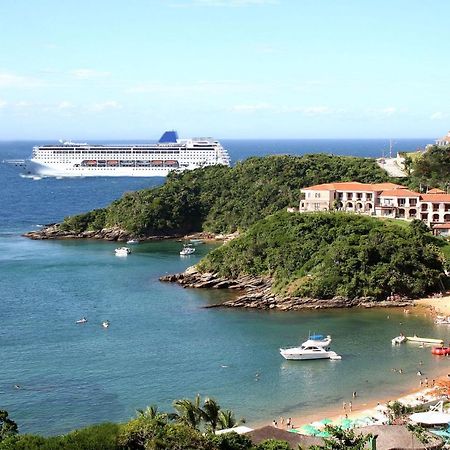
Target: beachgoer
[(344, 406), (420, 363), (433, 382), (274, 423), (419, 373), (400, 370), (350, 406), (426, 382), (421, 382), (288, 422), (17, 386), (282, 420), (354, 394)]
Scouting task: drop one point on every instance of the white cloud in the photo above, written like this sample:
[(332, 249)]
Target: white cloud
[(3, 103), (317, 110), (65, 105), (439, 115), (11, 80), (88, 74), (104, 106), (251, 108)]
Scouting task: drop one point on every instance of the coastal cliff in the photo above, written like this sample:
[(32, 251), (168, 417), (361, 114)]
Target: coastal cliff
[(255, 292)]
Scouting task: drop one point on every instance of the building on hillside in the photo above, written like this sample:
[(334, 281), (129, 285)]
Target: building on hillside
[(382, 200), (443, 141)]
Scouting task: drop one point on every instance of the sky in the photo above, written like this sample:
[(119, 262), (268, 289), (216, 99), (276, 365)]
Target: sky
[(116, 69)]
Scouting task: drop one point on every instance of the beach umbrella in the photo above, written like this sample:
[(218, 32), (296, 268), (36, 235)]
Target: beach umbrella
[(326, 421), (346, 424), (309, 429)]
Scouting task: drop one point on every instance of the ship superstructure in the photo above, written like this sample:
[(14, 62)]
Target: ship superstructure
[(70, 159)]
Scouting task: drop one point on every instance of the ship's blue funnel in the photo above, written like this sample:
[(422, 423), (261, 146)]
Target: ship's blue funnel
[(168, 136)]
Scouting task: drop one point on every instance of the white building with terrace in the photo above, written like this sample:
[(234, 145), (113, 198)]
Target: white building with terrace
[(382, 199)]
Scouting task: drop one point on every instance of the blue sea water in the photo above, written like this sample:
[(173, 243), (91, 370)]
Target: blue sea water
[(162, 343)]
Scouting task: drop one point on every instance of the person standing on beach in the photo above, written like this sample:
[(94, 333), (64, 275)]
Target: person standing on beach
[(344, 406), (350, 406)]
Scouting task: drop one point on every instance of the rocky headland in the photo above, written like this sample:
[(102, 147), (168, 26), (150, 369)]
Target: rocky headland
[(256, 292), (54, 231)]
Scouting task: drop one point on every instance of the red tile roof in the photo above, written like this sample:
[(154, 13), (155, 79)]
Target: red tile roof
[(353, 186), (436, 191), (442, 226), (399, 193), (436, 197)]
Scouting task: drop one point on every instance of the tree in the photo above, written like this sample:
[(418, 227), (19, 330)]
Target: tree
[(273, 444), (7, 426), (211, 413), (341, 439), (227, 419), (231, 441), (189, 412)]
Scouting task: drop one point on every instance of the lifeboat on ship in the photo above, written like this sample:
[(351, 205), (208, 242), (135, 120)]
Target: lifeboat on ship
[(91, 162), (112, 162), (442, 351), (171, 163), (157, 163)]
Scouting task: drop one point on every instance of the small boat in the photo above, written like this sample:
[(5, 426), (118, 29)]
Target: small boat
[(82, 320), (196, 241), (105, 324), (399, 340), (442, 320), (424, 340), (122, 251), (306, 352), (133, 241), (442, 351), (187, 250)]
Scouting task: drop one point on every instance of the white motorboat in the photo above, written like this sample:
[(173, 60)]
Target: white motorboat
[(105, 324), (398, 340), (133, 241), (306, 352), (122, 251), (82, 320), (187, 250)]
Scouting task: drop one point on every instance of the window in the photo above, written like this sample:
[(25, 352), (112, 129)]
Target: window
[(401, 201), (317, 195)]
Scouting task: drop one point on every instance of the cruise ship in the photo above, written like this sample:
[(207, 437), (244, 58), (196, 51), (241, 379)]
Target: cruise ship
[(70, 159)]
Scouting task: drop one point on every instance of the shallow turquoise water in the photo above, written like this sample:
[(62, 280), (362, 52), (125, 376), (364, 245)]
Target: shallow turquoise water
[(162, 343)]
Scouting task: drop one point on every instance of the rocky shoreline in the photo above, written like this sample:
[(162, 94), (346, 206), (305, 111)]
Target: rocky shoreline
[(53, 231), (256, 292)]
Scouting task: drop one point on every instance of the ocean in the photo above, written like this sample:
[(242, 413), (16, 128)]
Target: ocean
[(163, 344)]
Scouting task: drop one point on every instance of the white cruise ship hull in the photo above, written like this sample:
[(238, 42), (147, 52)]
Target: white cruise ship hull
[(34, 168), (71, 159)]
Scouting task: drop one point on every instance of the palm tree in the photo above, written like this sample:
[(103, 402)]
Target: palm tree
[(211, 413), (189, 412), (228, 420), (150, 412)]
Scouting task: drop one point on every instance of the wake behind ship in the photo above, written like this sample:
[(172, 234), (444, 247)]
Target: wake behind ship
[(70, 159)]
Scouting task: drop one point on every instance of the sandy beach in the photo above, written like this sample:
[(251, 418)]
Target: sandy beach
[(359, 408), (440, 305)]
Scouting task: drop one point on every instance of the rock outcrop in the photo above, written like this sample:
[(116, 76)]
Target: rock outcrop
[(256, 292), (53, 231)]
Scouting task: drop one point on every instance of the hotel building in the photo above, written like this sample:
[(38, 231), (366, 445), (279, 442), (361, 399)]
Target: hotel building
[(382, 200)]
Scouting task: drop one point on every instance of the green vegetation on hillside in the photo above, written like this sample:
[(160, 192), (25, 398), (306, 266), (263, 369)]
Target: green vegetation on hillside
[(223, 199), (322, 255), (431, 169), (182, 430)]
